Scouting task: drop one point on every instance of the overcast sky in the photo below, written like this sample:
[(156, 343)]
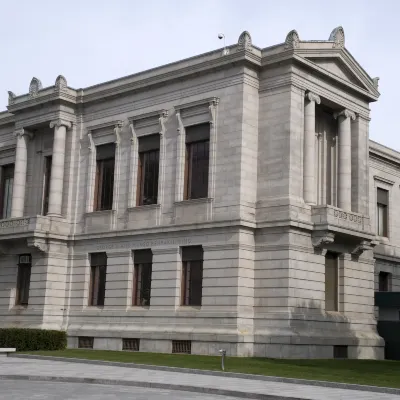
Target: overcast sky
[(92, 41)]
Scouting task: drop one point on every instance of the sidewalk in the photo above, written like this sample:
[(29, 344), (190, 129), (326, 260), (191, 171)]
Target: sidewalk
[(35, 369)]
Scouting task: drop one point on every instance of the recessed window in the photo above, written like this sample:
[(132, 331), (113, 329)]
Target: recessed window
[(98, 272), (7, 182), (130, 344), (149, 156), (382, 212), (46, 181), (192, 275), (104, 184), (340, 352), (23, 279), (197, 161), (85, 342), (142, 277), (331, 282), (384, 281), (181, 347)]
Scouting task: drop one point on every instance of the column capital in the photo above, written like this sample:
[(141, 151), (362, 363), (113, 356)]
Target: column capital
[(22, 132), (61, 122), (310, 96), (345, 113)]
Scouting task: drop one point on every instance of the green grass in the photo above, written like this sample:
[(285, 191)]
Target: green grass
[(363, 372)]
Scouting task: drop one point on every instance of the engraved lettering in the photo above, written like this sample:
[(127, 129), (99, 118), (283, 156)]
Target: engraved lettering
[(145, 244), (344, 215)]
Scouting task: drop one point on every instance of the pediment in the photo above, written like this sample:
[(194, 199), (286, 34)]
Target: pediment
[(335, 66), (346, 69)]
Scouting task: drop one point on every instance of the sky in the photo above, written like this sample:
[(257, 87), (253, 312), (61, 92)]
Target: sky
[(93, 41)]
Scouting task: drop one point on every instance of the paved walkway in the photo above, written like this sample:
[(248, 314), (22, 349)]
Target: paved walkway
[(16, 368)]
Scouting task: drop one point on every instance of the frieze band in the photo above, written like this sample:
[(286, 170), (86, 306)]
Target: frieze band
[(14, 223), (145, 244)]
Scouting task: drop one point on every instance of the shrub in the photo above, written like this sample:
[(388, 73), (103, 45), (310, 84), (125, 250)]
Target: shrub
[(32, 339)]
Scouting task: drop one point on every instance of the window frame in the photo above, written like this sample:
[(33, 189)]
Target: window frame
[(99, 185), (386, 283), (188, 265), (23, 281), (4, 176), (382, 230), (142, 176), (48, 161), (335, 289), (98, 270)]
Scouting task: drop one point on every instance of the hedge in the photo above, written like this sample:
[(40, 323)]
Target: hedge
[(32, 339)]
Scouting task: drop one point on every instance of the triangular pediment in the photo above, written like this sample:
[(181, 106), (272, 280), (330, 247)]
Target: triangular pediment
[(343, 67), (337, 67)]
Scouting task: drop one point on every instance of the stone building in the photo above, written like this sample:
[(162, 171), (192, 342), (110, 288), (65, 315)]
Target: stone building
[(230, 200)]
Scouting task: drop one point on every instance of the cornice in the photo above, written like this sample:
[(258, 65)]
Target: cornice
[(154, 114), (383, 180), (201, 102), (108, 124)]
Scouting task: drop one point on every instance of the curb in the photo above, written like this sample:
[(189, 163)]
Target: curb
[(333, 385), (149, 385)]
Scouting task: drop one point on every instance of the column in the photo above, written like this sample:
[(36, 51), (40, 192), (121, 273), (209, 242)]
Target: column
[(309, 148), (21, 160), (57, 166), (344, 118)]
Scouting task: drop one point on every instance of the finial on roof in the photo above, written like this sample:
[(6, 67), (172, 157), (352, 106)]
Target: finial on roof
[(34, 86), (11, 97), (292, 40), (61, 83), (376, 82), (244, 42), (337, 36)]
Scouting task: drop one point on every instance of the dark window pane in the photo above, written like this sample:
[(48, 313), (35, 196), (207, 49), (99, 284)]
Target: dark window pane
[(7, 190), (47, 177), (142, 284), (384, 278), (98, 279), (23, 280), (104, 184), (192, 283), (148, 180), (197, 169)]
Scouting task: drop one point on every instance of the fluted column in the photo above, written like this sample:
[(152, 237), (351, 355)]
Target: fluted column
[(57, 166), (309, 148), (21, 162), (344, 118)]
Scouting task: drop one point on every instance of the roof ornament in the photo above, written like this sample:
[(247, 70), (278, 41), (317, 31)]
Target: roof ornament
[(34, 87), (292, 40), (11, 97), (61, 83), (376, 82), (244, 42), (337, 37)]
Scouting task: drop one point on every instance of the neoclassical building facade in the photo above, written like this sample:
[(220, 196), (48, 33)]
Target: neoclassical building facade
[(231, 201)]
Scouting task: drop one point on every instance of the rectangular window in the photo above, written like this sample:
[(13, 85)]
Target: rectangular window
[(7, 182), (382, 212), (98, 272), (331, 282), (384, 281), (192, 275), (149, 156), (23, 279), (197, 161), (143, 260), (104, 185), (46, 179)]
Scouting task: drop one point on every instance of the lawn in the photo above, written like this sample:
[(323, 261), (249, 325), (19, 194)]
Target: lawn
[(363, 372)]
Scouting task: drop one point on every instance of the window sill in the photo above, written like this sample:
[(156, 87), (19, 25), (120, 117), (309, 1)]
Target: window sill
[(100, 212), (95, 307), (383, 239), (194, 201), (189, 308), (20, 307), (139, 308), (144, 207)]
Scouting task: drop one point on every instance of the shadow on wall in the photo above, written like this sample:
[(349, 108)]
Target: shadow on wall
[(333, 331)]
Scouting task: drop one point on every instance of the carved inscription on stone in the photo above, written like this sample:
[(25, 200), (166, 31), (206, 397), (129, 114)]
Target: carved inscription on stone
[(14, 223), (145, 244), (347, 216)]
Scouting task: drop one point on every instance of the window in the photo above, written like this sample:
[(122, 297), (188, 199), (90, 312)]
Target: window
[(23, 279), (85, 342), (104, 185), (46, 189), (384, 281), (331, 282), (98, 263), (7, 181), (149, 155), (382, 212), (181, 347), (192, 275), (197, 161), (142, 277)]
